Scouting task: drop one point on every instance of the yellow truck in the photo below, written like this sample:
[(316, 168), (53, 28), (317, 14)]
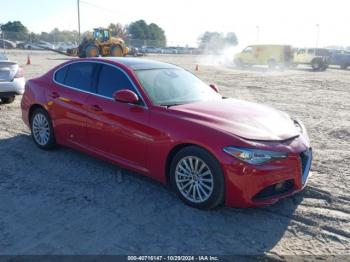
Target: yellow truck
[(100, 42), (270, 55), (317, 58)]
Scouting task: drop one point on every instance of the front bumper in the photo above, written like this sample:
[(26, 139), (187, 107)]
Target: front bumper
[(252, 185), (16, 86)]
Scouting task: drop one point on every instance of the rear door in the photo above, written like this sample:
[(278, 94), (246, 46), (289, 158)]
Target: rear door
[(299, 56), (118, 131), (67, 101), (287, 55)]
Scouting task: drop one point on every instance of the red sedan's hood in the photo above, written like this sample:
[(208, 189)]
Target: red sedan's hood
[(245, 119)]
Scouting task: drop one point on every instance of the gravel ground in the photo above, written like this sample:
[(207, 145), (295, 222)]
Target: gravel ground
[(65, 202)]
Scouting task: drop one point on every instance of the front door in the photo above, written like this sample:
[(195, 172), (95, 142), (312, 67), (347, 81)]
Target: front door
[(247, 55), (118, 131)]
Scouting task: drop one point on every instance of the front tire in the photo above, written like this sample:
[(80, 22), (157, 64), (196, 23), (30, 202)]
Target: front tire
[(42, 129), (238, 63), (197, 178), (92, 51), (271, 64), (316, 64)]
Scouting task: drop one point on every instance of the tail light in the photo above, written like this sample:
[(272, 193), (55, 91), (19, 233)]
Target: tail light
[(19, 73)]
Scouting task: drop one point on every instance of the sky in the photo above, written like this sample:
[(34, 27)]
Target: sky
[(295, 22)]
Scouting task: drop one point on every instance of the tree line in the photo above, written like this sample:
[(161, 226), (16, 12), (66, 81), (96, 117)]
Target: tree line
[(139, 32)]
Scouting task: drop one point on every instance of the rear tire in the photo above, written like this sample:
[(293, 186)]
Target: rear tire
[(197, 178), (42, 129), (116, 51), (7, 100), (344, 66)]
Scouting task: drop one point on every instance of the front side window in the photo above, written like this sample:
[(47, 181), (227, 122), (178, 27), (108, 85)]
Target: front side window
[(111, 80), (174, 86), (81, 76)]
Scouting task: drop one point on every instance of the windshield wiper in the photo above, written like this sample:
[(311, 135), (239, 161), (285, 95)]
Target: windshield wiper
[(170, 105)]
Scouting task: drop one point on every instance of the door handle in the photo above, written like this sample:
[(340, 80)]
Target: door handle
[(96, 108), (54, 95)]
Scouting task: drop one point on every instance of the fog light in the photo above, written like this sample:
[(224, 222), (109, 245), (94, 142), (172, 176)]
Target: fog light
[(280, 187)]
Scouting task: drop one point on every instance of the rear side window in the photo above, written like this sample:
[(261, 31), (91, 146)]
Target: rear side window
[(111, 80), (61, 75), (81, 76), (322, 52)]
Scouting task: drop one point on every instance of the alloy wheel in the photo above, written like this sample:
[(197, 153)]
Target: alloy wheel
[(41, 129), (194, 179)]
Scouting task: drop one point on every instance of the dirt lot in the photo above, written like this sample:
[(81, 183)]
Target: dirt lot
[(65, 202)]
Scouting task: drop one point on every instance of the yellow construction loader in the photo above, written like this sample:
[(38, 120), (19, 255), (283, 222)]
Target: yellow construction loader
[(100, 43)]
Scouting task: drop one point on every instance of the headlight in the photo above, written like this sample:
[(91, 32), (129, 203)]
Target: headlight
[(253, 156), (301, 129), (299, 126)]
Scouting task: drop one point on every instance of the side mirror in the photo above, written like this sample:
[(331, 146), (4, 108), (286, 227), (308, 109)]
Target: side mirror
[(126, 96), (215, 88)]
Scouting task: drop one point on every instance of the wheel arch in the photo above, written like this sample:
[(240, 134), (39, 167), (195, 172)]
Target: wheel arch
[(32, 108), (179, 147), (318, 59), (220, 194)]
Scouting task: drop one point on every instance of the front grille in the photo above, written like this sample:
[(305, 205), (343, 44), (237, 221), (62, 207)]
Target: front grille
[(306, 158), (275, 190)]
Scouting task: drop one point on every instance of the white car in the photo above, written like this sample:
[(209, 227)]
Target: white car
[(12, 81), (41, 45), (64, 46)]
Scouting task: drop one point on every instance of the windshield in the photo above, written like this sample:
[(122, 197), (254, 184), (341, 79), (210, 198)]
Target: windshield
[(174, 86), (3, 56)]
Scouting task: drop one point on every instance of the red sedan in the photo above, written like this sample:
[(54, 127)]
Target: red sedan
[(161, 121)]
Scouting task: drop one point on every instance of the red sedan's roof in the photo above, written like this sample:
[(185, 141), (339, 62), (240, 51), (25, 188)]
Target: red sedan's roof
[(138, 63)]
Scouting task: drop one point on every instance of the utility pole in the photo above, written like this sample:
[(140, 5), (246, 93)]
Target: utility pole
[(3, 38), (317, 34), (78, 2)]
